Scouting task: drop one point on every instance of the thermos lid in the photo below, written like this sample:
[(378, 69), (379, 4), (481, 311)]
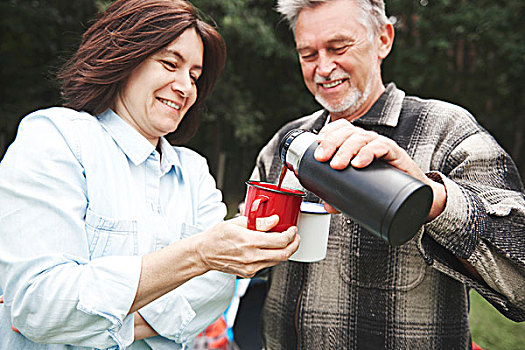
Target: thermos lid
[(293, 146), (286, 142)]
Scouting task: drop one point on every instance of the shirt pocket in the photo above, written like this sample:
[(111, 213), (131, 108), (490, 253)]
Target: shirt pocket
[(368, 262), (110, 236)]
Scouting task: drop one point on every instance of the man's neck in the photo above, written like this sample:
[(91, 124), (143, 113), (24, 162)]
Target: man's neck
[(372, 99)]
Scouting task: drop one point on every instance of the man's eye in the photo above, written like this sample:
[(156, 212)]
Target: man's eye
[(308, 56), (339, 49)]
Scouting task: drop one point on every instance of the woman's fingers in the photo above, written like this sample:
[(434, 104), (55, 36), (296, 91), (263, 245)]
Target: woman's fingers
[(268, 257), (262, 224), (231, 247), (266, 223)]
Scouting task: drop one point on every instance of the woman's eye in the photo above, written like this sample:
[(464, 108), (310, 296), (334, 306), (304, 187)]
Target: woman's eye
[(169, 65)]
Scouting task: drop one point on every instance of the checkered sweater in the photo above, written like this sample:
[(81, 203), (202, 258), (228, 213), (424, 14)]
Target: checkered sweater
[(369, 295)]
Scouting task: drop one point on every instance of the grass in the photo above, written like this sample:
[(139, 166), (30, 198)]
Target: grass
[(491, 330)]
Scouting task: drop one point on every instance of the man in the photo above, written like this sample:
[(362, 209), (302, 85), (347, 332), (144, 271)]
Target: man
[(367, 294)]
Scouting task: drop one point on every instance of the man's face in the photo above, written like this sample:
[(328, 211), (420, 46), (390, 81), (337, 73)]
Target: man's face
[(340, 63)]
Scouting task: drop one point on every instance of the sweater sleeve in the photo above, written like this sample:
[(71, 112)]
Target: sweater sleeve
[(483, 223)]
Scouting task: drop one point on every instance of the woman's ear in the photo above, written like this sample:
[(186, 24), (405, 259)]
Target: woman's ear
[(386, 40)]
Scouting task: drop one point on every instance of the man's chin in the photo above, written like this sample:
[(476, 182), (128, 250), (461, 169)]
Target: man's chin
[(335, 107), (346, 105)]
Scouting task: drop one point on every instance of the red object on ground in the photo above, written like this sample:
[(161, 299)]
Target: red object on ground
[(12, 327), (476, 346), (214, 337)]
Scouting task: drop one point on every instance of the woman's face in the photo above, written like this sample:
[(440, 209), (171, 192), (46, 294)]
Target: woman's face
[(159, 92)]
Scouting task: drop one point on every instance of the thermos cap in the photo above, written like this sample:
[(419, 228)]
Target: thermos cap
[(293, 146)]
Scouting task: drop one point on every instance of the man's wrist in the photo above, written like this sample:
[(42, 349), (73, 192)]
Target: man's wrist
[(439, 193)]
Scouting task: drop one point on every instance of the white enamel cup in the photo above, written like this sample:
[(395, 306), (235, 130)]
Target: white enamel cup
[(313, 227)]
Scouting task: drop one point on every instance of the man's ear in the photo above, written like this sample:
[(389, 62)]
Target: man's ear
[(386, 40)]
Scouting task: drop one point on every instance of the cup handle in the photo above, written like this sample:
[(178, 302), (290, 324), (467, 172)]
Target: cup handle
[(255, 211)]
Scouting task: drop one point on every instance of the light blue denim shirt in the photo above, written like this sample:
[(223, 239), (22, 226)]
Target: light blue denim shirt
[(81, 199)]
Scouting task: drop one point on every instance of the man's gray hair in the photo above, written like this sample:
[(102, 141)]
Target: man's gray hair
[(374, 16)]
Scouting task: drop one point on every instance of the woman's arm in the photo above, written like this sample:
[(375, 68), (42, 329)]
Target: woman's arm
[(228, 247)]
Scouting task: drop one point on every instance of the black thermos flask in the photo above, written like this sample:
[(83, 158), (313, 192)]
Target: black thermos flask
[(383, 199)]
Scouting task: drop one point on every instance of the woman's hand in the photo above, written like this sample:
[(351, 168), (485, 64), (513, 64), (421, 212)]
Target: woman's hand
[(232, 248), (346, 144)]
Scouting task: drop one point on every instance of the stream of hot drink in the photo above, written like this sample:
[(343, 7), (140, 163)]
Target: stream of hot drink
[(281, 177)]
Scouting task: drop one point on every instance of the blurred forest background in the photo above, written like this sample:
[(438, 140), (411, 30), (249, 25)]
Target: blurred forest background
[(469, 52)]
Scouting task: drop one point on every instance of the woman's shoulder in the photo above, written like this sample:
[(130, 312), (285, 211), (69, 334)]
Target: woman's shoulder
[(59, 115), (55, 125), (63, 119)]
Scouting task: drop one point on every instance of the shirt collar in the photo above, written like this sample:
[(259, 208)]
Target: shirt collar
[(170, 158), (135, 146), (386, 110)]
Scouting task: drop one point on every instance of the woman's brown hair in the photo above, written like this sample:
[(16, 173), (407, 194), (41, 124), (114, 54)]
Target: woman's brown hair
[(127, 33)]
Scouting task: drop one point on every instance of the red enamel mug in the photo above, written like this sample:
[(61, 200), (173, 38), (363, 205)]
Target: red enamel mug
[(264, 199)]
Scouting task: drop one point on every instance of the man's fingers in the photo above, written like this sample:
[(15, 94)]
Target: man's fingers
[(350, 147), (330, 209), (332, 138), (334, 126)]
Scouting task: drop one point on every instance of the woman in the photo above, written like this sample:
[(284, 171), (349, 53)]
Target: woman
[(112, 238)]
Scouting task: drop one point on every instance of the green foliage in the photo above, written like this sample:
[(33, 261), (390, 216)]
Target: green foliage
[(260, 89), (490, 329), (35, 39), (465, 51)]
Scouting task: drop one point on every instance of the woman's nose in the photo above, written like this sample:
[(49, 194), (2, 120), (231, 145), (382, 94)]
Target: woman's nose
[(182, 84)]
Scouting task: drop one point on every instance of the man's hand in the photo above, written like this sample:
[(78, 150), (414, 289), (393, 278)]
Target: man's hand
[(142, 328), (345, 144)]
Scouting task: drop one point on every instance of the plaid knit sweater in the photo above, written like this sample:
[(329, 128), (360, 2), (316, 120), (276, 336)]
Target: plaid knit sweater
[(369, 295)]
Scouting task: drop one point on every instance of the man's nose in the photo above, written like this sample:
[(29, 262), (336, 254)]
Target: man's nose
[(325, 65)]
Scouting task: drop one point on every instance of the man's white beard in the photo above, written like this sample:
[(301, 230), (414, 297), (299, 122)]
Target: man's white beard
[(352, 101)]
